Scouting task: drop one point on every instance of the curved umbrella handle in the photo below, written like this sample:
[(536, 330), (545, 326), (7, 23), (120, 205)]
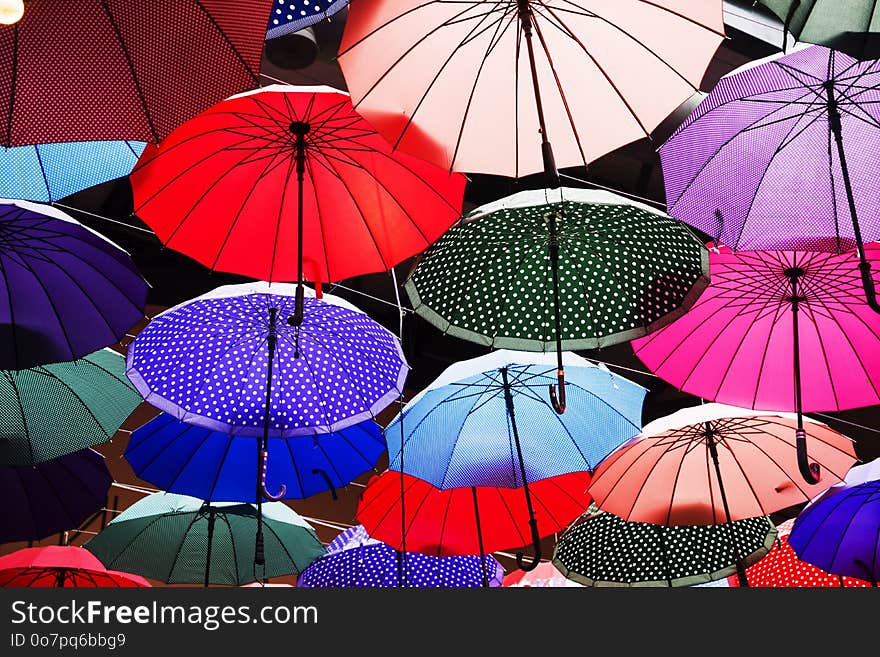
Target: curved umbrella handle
[(264, 455), (328, 481), (536, 542), (558, 403), (809, 471)]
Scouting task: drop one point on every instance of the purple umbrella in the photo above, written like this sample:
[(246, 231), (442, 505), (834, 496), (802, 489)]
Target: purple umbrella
[(783, 155), (65, 291), (841, 534), (52, 496), (354, 560)]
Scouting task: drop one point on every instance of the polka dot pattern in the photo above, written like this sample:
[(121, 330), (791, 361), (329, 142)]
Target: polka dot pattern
[(604, 550), (290, 16), (206, 362), (623, 271)]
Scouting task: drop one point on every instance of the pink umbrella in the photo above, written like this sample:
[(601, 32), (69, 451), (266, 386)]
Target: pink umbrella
[(745, 340)]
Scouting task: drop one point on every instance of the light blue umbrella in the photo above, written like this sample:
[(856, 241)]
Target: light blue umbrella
[(294, 15), (49, 172)]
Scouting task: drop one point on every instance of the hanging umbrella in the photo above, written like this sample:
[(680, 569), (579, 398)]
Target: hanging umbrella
[(600, 549), (49, 172), (850, 27), (61, 566), (484, 87), (858, 474), (716, 464), (183, 540), (779, 330), (841, 534), (214, 465), (53, 496), (801, 133), (129, 66), (354, 560), (237, 186), (290, 16), (65, 291), (473, 520), (544, 576), (781, 568), (89, 399)]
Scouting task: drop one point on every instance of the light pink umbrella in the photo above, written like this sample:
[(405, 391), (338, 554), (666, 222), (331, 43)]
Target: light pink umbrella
[(777, 330)]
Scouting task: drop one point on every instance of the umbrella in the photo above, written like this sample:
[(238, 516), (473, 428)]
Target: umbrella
[(781, 568), (841, 534), (623, 270), (53, 410), (746, 340), (183, 540), (128, 66), (858, 474), (801, 133), (53, 496), (65, 291), (213, 465), (354, 560), (238, 186), (49, 172), (61, 566), (545, 575), (850, 27), (472, 520), (290, 16), (484, 87), (715, 464), (600, 549)]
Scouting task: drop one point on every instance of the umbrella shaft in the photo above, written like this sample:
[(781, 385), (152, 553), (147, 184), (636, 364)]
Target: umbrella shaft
[(300, 179), (713, 452), (508, 398), (480, 539), (210, 543)]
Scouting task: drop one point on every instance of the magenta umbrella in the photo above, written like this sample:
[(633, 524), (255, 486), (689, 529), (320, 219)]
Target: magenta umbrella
[(776, 330)]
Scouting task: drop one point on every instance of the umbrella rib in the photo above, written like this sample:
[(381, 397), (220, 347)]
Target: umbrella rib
[(11, 307), (43, 173), (13, 85), (522, 538), (82, 401), (241, 60), (207, 435), (24, 421), (291, 163), (299, 481)]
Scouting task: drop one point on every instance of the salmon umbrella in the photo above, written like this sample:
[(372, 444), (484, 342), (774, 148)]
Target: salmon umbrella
[(62, 566)]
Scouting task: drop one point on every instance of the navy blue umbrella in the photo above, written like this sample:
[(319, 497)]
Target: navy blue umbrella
[(212, 465), (294, 15)]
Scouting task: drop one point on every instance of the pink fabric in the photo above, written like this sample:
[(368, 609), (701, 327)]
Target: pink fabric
[(450, 81), (42, 567), (735, 344)]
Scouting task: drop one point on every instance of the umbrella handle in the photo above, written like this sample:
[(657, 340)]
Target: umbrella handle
[(809, 471), (327, 480), (536, 542), (558, 402), (264, 455)]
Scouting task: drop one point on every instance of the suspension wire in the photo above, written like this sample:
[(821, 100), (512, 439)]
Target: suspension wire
[(401, 555), (634, 197), (103, 218)]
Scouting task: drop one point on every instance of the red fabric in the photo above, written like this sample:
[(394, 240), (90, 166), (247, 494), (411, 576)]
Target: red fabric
[(82, 68), (222, 189), (782, 568), (443, 522), (67, 566)]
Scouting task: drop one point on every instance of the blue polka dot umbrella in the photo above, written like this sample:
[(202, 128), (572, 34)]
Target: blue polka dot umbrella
[(294, 15), (354, 560)]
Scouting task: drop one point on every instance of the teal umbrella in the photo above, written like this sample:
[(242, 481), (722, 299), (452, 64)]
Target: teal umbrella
[(851, 27), (179, 539), (54, 410)]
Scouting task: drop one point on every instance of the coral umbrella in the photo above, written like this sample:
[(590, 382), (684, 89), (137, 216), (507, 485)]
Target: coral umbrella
[(778, 330), (129, 66), (62, 566)]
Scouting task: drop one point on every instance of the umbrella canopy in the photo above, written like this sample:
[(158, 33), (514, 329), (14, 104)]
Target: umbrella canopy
[(600, 549), (89, 400), (624, 269), (460, 432), (544, 575), (212, 465), (290, 16), (669, 476), (473, 520), (129, 66), (354, 560), (183, 540), (858, 474), (66, 290), (847, 26), (61, 566), (237, 186), (53, 496), (462, 84), (781, 568), (841, 534), (49, 172)]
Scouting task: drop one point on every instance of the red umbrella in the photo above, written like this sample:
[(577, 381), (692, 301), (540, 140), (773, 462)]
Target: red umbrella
[(123, 69), (237, 185), (62, 566), (473, 520)]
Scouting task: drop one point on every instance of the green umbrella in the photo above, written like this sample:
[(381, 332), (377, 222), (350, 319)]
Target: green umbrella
[(57, 409), (848, 26), (601, 549), (179, 539), (623, 269)]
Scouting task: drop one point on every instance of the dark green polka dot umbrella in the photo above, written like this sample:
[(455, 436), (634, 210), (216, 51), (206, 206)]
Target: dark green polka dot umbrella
[(601, 549), (624, 270)]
